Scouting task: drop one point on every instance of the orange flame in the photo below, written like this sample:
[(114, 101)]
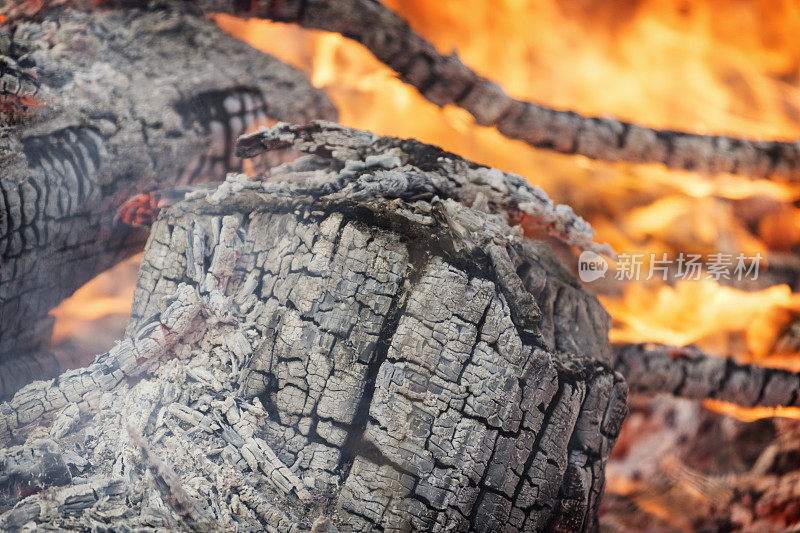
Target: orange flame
[(97, 313), (703, 313), (751, 414)]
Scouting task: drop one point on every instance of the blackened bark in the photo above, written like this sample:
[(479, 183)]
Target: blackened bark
[(689, 373)]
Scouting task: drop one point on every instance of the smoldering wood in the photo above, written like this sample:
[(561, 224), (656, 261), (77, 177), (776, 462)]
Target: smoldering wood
[(689, 373), (126, 101), (17, 84), (446, 80), (336, 347)]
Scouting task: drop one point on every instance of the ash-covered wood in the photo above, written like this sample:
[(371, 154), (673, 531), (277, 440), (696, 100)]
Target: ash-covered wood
[(689, 373), (343, 346), (116, 102), (467, 182), (446, 80), (19, 87)]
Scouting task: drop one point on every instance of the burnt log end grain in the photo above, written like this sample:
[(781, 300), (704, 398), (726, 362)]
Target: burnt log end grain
[(342, 361)]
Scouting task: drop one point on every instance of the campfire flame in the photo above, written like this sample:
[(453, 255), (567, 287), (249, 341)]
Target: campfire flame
[(705, 313), (751, 414)]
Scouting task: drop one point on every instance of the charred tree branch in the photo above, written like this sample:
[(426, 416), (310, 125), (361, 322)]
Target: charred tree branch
[(446, 80), (689, 373)]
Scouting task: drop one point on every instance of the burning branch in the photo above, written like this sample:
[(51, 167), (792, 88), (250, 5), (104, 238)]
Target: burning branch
[(689, 373), (446, 80)]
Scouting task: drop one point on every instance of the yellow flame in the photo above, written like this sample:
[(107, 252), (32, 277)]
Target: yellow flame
[(709, 65), (701, 312)]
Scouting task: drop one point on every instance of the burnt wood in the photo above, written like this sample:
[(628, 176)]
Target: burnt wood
[(348, 344)]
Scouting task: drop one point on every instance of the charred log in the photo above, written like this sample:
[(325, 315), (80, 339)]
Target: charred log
[(126, 101), (339, 346)]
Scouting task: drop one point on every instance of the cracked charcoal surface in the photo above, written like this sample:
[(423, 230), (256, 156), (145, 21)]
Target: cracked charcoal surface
[(129, 101), (370, 372), (446, 175)]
